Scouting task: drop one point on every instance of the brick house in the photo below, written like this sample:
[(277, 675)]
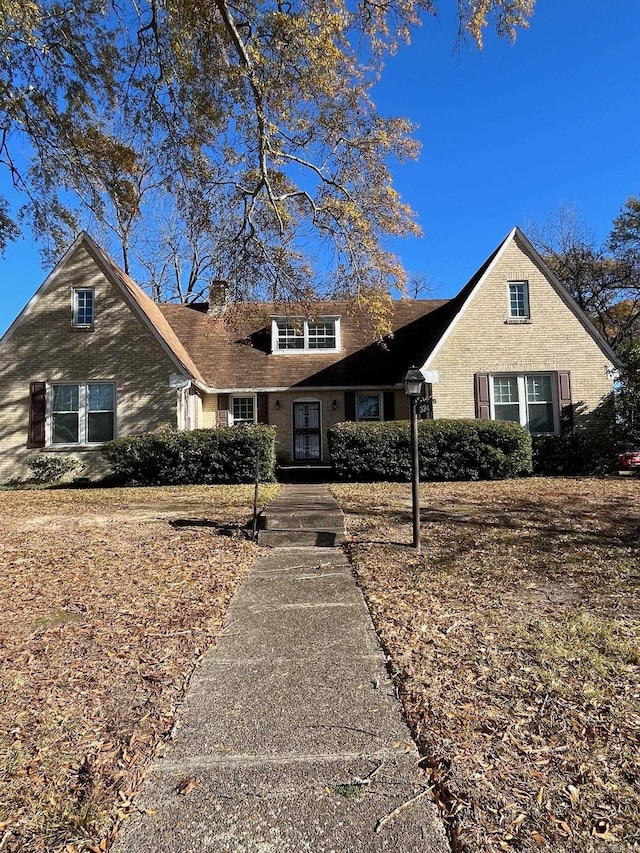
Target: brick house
[(91, 357)]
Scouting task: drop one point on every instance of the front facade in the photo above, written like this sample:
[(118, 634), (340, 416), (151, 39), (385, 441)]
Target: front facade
[(92, 358)]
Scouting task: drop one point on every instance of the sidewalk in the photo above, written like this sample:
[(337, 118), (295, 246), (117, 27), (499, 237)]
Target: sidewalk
[(290, 728)]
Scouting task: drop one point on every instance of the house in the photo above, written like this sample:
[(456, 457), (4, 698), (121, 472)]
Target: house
[(91, 357)]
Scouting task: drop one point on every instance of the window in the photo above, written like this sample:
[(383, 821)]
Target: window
[(82, 414), (306, 335), (83, 308), (519, 300), (525, 400), (322, 335), (243, 410), (369, 408)]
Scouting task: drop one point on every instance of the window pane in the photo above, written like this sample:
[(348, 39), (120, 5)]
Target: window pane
[(505, 389), (539, 389), (290, 336), (322, 335), (100, 426), (368, 407), (65, 398), (100, 398), (84, 307), (508, 412), (65, 428), (518, 299), (540, 418), (243, 410)]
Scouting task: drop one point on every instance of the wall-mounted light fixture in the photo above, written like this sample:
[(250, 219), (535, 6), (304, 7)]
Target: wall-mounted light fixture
[(277, 405), (334, 405)]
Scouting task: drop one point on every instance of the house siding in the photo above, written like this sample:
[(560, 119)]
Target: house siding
[(482, 342), (45, 347)]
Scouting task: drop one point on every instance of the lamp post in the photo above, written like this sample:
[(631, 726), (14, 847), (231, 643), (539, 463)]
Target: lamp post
[(413, 385)]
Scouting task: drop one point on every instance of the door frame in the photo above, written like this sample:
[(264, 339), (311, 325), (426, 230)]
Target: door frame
[(293, 428)]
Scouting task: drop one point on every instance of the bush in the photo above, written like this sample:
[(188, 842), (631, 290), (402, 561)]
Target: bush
[(577, 453), (204, 456), (49, 467), (448, 450)]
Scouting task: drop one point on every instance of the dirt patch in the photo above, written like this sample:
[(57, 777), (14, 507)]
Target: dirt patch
[(514, 639), (107, 606)]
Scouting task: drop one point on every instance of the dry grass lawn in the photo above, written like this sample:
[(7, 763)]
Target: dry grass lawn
[(515, 639), (108, 599)]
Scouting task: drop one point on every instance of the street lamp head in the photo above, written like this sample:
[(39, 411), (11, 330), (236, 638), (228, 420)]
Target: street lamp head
[(413, 382)]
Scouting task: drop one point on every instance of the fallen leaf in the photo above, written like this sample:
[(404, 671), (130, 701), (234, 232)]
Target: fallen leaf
[(187, 785)]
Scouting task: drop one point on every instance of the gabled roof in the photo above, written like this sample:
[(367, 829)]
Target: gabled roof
[(456, 307), (133, 295), (241, 359), (217, 357)]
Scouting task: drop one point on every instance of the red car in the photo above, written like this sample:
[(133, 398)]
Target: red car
[(628, 457)]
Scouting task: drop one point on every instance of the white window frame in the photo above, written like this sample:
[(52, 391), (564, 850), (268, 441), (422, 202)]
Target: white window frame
[(304, 328), (233, 397), (380, 407), (76, 308), (83, 414), (523, 403), (524, 284)]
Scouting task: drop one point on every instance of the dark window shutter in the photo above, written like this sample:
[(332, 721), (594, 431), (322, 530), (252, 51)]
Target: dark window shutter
[(564, 401), (483, 401), (37, 414), (263, 407), (349, 405), (223, 410), (389, 406)]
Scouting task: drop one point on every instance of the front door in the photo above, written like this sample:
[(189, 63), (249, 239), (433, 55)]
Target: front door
[(306, 432)]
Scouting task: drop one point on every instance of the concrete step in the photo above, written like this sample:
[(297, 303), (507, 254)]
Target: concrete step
[(307, 519), (301, 537)]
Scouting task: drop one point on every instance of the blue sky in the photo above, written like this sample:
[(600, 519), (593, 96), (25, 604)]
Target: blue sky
[(508, 134)]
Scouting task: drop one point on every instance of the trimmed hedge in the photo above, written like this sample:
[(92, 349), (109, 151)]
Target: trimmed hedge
[(448, 450), (168, 457), (578, 453)]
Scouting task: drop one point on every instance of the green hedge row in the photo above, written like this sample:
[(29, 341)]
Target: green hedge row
[(169, 457), (448, 450), (578, 453)]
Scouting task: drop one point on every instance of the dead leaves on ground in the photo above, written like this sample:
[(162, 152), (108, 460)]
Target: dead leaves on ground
[(105, 612), (515, 640)]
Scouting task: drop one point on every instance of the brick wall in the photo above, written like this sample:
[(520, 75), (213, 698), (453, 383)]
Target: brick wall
[(482, 341), (45, 347)]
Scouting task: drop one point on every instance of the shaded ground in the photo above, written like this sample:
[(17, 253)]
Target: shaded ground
[(514, 637), (109, 598)]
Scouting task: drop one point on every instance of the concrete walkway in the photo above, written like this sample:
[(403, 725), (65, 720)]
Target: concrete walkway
[(290, 729)]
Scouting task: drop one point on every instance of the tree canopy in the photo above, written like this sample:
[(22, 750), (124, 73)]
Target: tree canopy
[(232, 139), (602, 276)]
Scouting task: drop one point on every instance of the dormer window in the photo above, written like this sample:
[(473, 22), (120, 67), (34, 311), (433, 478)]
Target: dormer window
[(83, 308), (292, 335), (519, 300)]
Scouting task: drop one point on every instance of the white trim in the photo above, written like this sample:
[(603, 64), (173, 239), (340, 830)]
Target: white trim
[(83, 411), (527, 306), (522, 402), (31, 304), (250, 396), (74, 307), (469, 299), (275, 349), (537, 260)]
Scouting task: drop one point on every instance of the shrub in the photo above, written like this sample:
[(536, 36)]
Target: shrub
[(448, 450), (576, 453), (49, 468), (204, 456)]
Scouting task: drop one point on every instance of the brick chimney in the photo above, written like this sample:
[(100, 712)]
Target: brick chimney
[(218, 297)]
